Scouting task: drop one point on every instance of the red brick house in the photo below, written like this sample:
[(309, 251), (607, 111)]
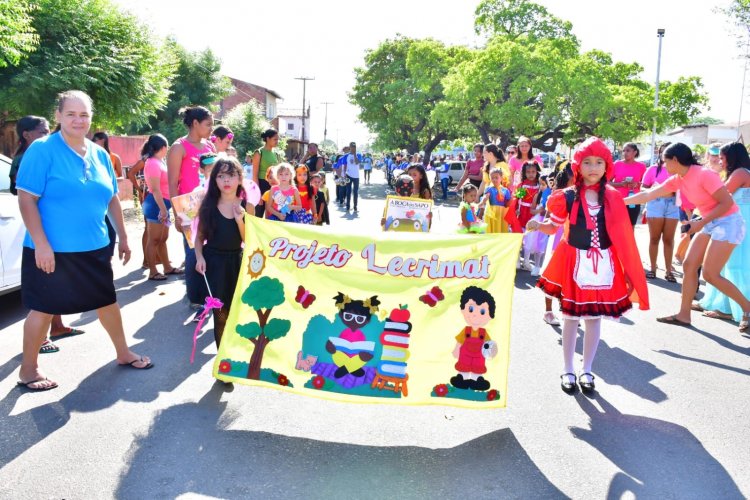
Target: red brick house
[(244, 92)]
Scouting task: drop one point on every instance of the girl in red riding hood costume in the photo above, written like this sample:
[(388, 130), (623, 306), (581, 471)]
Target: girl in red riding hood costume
[(596, 270)]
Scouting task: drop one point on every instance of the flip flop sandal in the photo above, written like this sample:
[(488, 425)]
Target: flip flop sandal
[(48, 347), (175, 271), (132, 364), (745, 323), (69, 332), (695, 306), (670, 277), (27, 385), (157, 277), (716, 315), (672, 320), (650, 275)]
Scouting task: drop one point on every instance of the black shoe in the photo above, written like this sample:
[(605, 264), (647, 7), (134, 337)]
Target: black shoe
[(481, 384), (359, 373), (459, 382), (565, 384), (586, 386), (340, 372)]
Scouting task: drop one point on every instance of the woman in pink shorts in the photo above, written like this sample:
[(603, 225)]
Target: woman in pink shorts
[(717, 234)]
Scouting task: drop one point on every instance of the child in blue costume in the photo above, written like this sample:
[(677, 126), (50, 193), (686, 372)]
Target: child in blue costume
[(470, 222), (498, 197)]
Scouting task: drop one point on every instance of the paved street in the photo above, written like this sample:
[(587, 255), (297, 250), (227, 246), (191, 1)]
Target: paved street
[(670, 418)]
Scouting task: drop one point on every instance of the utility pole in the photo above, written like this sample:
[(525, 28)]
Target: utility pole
[(304, 83), (744, 77), (660, 34), (325, 126)]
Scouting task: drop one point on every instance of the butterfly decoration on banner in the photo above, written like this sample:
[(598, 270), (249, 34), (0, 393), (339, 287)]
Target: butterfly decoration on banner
[(303, 297), (433, 296)]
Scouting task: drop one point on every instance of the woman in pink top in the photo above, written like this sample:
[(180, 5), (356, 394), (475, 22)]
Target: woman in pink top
[(523, 154), (183, 169), (628, 176), (473, 170), (662, 214), (156, 207), (717, 234)]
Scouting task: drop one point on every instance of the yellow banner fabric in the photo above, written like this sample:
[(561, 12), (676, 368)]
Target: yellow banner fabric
[(403, 318)]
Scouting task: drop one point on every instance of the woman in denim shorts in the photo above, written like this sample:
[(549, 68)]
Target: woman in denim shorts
[(716, 235), (662, 215)]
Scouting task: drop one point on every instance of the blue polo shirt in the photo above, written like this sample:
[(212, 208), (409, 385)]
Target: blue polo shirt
[(74, 192)]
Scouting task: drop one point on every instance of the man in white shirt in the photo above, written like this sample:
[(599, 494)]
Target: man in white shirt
[(353, 162)]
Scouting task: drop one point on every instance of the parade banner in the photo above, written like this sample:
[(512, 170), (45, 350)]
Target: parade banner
[(407, 214), (402, 318)]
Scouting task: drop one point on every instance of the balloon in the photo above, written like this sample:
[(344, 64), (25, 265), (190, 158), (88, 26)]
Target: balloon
[(252, 190)]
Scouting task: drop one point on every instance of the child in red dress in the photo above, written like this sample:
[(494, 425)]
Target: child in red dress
[(596, 270)]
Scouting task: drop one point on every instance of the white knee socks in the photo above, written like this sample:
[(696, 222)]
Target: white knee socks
[(569, 334), (591, 342)]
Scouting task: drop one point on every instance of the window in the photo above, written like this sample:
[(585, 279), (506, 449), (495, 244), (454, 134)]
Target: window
[(290, 126)]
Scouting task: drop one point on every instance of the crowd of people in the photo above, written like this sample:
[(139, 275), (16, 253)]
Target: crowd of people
[(577, 221)]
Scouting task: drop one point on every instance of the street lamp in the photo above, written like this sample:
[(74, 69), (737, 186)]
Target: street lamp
[(660, 35)]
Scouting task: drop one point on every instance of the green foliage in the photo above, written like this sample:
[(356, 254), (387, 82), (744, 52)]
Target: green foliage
[(264, 293), (249, 330), (247, 122), (705, 120), (398, 89), (738, 12), (529, 79), (197, 81), (277, 328), (92, 46), (17, 35), (515, 19), (328, 147)]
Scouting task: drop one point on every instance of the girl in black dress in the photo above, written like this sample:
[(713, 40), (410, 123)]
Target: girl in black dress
[(221, 231)]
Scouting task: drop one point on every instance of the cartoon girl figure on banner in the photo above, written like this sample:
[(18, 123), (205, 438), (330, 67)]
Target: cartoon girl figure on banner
[(351, 350), (473, 343), (596, 270)]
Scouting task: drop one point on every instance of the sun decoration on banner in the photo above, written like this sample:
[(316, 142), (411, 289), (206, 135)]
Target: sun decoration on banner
[(256, 263)]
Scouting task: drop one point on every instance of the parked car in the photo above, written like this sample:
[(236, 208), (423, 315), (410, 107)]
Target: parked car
[(456, 171), (12, 232)]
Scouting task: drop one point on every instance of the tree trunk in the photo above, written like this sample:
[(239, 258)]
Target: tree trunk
[(253, 371), (484, 134), (430, 146)]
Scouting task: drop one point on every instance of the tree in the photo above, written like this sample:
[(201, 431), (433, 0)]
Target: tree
[(197, 81), (738, 13), (92, 46), (328, 147), (705, 120), (263, 295), (514, 19), (247, 121), (17, 36), (398, 89)]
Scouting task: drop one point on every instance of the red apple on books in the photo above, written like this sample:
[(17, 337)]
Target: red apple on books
[(400, 315)]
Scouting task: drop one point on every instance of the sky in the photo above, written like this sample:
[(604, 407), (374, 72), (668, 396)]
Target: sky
[(272, 43)]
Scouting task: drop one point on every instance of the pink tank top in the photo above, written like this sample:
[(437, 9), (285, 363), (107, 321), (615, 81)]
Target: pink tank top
[(190, 169)]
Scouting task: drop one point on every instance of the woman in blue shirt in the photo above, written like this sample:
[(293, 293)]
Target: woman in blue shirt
[(65, 188)]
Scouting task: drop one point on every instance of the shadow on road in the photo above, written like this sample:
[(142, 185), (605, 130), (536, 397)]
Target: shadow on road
[(188, 449), (168, 346), (658, 459)]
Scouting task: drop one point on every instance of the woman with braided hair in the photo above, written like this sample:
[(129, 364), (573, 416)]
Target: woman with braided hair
[(596, 270)]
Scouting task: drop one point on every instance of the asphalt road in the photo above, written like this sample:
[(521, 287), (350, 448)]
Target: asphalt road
[(670, 417)]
